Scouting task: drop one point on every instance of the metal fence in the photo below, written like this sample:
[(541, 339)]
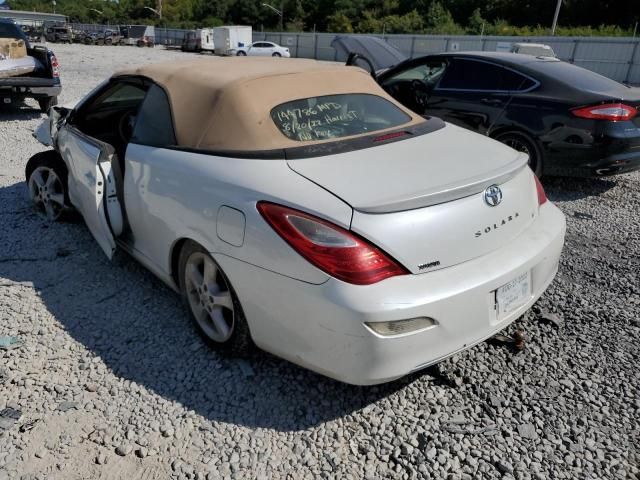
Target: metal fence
[(614, 57)]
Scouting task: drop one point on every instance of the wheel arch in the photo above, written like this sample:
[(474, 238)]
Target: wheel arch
[(495, 132), (538, 145), (176, 249), (174, 259)]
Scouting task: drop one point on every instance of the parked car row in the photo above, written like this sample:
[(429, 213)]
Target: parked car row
[(138, 35)]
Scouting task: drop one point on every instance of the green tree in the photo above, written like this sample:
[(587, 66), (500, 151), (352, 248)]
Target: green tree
[(476, 24), (339, 23), (440, 21)]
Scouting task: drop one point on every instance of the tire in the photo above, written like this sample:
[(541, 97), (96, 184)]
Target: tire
[(206, 313), (276, 54), (108, 41), (241, 54), (524, 143), (46, 103), (47, 175)]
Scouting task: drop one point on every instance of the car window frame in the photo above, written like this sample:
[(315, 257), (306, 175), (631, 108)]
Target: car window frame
[(414, 65), (151, 84), (450, 60), (79, 109)]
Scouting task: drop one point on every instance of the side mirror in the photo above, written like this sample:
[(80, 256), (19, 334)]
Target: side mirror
[(61, 112)]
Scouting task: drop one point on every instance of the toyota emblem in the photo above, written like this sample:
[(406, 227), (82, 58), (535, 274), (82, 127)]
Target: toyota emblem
[(493, 195)]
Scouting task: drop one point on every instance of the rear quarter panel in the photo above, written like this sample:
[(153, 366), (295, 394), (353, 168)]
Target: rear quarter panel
[(171, 195)]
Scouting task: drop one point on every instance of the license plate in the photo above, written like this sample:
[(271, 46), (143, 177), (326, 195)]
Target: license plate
[(513, 294)]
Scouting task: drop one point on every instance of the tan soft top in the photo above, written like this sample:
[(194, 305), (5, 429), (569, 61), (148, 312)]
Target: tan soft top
[(225, 103)]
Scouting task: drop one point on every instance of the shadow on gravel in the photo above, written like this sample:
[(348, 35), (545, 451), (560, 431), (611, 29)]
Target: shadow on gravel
[(19, 111), (568, 188), (139, 329)]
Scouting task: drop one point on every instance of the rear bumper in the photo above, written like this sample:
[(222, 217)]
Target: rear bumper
[(321, 327), (29, 87), (612, 148)]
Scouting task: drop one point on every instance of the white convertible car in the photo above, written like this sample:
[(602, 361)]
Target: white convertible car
[(320, 220)]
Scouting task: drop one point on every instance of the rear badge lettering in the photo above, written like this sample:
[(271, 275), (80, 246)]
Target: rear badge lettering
[(495, 226), (424, 266)]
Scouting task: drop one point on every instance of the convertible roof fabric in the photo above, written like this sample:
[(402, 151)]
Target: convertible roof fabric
[(225, 103)]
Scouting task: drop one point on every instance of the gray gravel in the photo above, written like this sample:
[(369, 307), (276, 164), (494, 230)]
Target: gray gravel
[(112, 382)]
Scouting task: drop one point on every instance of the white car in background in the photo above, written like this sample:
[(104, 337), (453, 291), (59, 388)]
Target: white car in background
[(321, 220), (263, 49)]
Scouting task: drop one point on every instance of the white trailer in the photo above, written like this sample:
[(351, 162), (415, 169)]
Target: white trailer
[(200, 40), (228, 38)]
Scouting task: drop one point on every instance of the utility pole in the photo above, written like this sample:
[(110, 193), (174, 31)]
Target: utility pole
[(555, 18), (279, 12)]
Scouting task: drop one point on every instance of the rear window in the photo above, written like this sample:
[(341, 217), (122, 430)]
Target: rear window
[(577, 77), (336, 116), (9, 30)]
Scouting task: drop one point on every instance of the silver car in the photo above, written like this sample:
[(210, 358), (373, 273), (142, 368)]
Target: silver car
[(298, 207)]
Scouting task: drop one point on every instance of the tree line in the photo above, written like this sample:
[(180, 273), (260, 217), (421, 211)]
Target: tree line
[(488, 17)]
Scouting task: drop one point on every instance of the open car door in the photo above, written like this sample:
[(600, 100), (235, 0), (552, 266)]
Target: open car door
[(94, 175)]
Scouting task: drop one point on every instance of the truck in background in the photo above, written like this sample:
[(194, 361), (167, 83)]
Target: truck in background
[(26, 71), (200, 40), (228, 38)]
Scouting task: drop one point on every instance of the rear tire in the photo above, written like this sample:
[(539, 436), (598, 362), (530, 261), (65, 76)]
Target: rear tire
[(211, 301), (524, 143), (46, 103), (47, 175), (241, 54)]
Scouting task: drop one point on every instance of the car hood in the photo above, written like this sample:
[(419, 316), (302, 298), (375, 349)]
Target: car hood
[(381, 54), (438, 167)]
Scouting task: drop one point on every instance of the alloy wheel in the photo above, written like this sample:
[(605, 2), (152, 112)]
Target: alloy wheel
[(47, 192), (209, 297)]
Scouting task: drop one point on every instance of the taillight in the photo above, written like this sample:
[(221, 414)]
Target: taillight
[(542, 197), (55, 66), (332, 249), (607, 111)]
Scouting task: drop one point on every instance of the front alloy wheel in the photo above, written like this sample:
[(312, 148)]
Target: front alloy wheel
[(47, 193), (46, 176)]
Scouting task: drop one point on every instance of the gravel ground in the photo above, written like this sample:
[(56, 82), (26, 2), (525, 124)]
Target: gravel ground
[(112, 382)]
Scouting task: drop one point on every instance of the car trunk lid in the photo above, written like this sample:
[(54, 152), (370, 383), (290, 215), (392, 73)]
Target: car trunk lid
[(422, 200), (438, 167)]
